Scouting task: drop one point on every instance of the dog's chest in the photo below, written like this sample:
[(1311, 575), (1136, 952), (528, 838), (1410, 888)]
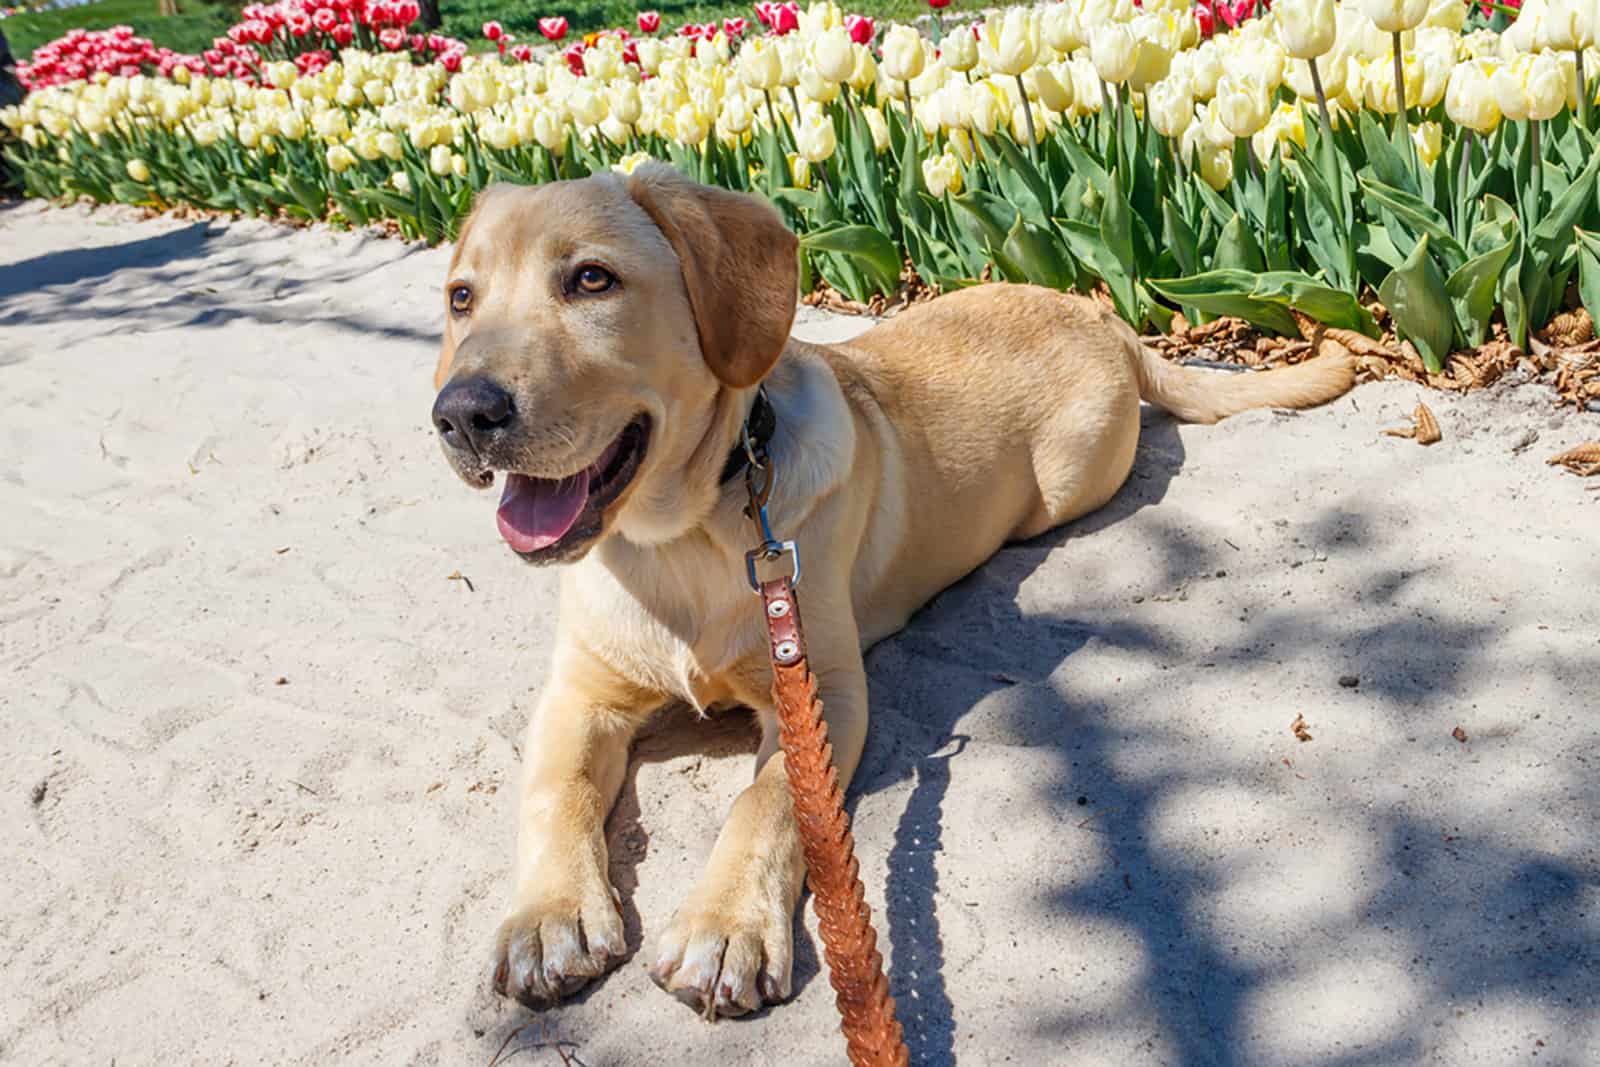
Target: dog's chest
[(693, 648)]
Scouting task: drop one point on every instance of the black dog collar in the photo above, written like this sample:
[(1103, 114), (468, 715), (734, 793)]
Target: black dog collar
[(759, 427)]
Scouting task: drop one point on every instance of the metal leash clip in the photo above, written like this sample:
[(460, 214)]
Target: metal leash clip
[(770, 549)]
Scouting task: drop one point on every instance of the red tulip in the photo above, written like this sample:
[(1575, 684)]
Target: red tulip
[(649, 21), (861, 28), (393, 38), (785, 18), (522, 53), (574, 57), (554, 28), (764, 12), (493, 31), (734, 27), (1204, 19), (342, 34), (451, 61), (938, 4)]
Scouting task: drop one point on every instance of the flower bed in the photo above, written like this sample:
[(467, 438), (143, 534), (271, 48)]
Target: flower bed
[(1218, 161)]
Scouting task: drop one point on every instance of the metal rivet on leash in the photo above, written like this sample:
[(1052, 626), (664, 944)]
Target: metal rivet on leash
[(786, 651), (778, 609)]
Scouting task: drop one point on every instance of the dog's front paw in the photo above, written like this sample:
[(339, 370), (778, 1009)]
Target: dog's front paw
[(727, 961), (547, 950)]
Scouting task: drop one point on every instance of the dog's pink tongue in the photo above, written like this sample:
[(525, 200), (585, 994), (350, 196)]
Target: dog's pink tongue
[(537, 512)]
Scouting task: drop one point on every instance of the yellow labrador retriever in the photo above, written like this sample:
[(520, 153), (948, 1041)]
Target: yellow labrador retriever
[(604, 343)]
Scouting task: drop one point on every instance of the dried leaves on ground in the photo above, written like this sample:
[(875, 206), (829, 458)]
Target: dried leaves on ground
[(1299, 728), (1424, 428), (1583, 460), (1568, 349)]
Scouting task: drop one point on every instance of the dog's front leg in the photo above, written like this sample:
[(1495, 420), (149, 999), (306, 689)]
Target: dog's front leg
[(730, 947), (564, 928)]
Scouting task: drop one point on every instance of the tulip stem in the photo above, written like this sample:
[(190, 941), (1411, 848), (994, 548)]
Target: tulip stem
[(1027, 114), (911, 119), (1322, 98), (1583, 90), (1400, 93), (1538, 170)]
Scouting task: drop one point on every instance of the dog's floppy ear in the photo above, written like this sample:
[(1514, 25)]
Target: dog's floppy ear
[(740, 265), (447, 345)]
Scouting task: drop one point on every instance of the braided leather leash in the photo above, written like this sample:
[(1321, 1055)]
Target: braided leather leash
[(849, 943)]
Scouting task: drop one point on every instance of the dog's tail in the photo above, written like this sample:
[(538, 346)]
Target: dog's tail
[(1205, 396)]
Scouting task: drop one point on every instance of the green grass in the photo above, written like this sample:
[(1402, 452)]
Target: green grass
[(191, 31), (465, 18)]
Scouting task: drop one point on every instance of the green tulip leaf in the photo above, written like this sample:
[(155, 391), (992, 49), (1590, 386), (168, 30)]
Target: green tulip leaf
[(1471, 291), (1333, 307), (1416, 298), (876, 254), (1227, 292)]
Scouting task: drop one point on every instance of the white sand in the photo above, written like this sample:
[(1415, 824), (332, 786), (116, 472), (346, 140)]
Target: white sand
[(274, 739)]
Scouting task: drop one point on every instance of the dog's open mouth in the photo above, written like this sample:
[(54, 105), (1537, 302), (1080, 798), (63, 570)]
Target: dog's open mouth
[(545, 519)]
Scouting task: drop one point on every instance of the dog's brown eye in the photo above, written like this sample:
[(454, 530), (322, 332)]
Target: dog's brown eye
[(593, 279), (460, 299)]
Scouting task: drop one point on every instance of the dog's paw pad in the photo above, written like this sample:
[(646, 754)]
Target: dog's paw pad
[(723, 969), (548, 951)]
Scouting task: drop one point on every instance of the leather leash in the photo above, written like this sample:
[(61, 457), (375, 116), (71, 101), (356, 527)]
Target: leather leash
[(873, 1037)]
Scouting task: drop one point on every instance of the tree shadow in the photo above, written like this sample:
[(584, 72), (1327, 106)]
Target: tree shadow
[(201, 276), (970, 638)]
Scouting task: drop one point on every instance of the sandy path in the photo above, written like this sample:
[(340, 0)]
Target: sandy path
[(255, 745)]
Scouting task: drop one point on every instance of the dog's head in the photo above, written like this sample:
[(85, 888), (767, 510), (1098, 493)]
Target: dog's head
[(596, 332)]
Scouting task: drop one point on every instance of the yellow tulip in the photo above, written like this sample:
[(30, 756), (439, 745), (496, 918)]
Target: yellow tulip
[(1429, 140), (1393, 16), (960, 51), (760, 66), (1307, 28), (138, 170), (341, 159), (1170, 107), (1469, 99), (1009, 43), (879, 127), (1216, 166), (1049, 90), (1114, 51), (942, 173), (815, 137), (903, 58), (833, 55), (801, 171), (1242, 104)]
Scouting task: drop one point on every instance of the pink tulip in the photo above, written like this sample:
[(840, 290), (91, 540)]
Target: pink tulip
[(553, 28), (522, 53), (649, 21), (861, 28)]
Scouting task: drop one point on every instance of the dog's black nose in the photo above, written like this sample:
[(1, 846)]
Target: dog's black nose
[(468, 413)]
